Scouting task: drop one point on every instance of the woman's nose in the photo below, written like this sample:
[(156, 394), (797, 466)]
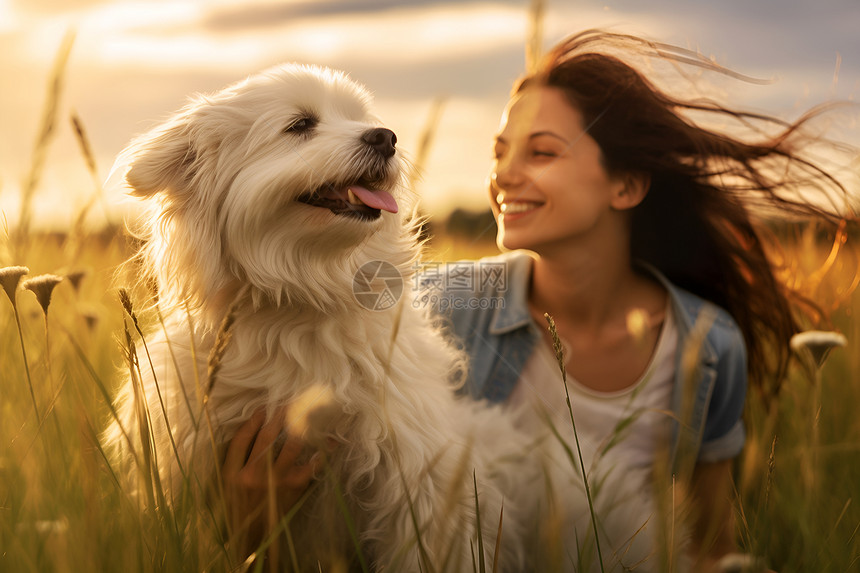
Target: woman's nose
[(507, 173)]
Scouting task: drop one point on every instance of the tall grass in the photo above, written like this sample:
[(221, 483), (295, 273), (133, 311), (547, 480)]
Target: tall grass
[(62, 507), (46, 133)]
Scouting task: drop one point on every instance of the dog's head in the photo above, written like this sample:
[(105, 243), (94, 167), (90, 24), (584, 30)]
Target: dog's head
[(278, 182)]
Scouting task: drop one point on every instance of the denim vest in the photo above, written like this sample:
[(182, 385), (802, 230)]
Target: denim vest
[(490, 317)]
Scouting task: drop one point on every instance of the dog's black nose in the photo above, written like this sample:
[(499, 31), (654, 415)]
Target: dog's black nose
[(380, 139)]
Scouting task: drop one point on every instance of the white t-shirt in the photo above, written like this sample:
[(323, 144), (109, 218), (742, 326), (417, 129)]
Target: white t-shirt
[(619, 433)]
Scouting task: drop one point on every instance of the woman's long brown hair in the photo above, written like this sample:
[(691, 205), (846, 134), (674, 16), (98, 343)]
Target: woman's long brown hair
[(695, 224)]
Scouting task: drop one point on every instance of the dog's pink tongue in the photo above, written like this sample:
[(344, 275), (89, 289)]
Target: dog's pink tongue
[(377, 199)]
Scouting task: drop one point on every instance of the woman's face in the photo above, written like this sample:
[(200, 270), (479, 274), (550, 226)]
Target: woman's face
[(548, 184)]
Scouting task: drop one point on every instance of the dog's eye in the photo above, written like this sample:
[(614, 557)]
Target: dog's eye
[(302, 125)]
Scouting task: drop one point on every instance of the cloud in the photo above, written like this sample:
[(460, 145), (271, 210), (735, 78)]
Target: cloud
[(246, 17), (44, 7), (135, 61), (436, 39), (473, 75), (763, 34)]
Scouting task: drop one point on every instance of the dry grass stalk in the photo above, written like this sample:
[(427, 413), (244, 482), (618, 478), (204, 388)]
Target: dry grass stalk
[(46, 133), (425, 142), (559, 355), (145, 465), (222, 340), (558, 348), (498, 539), (481, 564), (686, 451), (771, 465), (43, 287), (216, 356), (9, 279), (78, 231), (125, 301), (86, 148), (534, 41), (815, 345)]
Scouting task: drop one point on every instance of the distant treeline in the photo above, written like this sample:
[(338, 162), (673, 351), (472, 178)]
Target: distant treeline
[(474, 225), (480, 226)]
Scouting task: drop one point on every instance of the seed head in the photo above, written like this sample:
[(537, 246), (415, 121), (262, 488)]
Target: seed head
[(75, 279), (556, 345), (42, 286), (9, 278), (91, 318), (817, 344), (125, 300)]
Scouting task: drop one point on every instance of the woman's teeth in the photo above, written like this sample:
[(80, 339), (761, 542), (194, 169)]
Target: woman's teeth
[(518, 207)]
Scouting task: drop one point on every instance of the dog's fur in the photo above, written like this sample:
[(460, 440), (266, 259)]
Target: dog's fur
[(230, 230)]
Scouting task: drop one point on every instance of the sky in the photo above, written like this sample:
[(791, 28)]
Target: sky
[(134, 62)]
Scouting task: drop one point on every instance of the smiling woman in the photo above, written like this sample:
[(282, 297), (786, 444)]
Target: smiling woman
[(631, 212), (644, 249)]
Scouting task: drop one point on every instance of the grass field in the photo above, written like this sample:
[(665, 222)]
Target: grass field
[(62, 508)]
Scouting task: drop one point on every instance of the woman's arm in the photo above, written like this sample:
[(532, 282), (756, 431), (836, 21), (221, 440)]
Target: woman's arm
[(713, 518)]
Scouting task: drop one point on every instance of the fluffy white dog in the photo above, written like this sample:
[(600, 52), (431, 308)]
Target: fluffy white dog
[(266, 199)]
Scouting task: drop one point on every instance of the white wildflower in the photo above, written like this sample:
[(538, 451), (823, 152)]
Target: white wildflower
[(817, 344)]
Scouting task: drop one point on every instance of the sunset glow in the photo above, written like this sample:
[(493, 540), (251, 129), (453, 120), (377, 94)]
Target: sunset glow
[(135, 62)]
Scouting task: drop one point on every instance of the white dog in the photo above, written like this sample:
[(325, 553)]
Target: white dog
[(266, 199)]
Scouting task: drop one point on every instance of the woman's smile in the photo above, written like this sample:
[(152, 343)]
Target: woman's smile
[(516, 208)]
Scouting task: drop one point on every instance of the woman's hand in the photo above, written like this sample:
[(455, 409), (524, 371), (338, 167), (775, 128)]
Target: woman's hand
[(714, 528), (262, 482)]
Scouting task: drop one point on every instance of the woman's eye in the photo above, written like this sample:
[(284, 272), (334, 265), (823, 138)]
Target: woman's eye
[(302, 125), (543, 153)]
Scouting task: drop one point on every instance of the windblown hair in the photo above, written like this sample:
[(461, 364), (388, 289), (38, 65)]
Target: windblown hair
[(696, 224)]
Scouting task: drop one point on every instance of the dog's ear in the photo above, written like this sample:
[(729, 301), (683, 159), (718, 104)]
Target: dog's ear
[(163, 159)]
